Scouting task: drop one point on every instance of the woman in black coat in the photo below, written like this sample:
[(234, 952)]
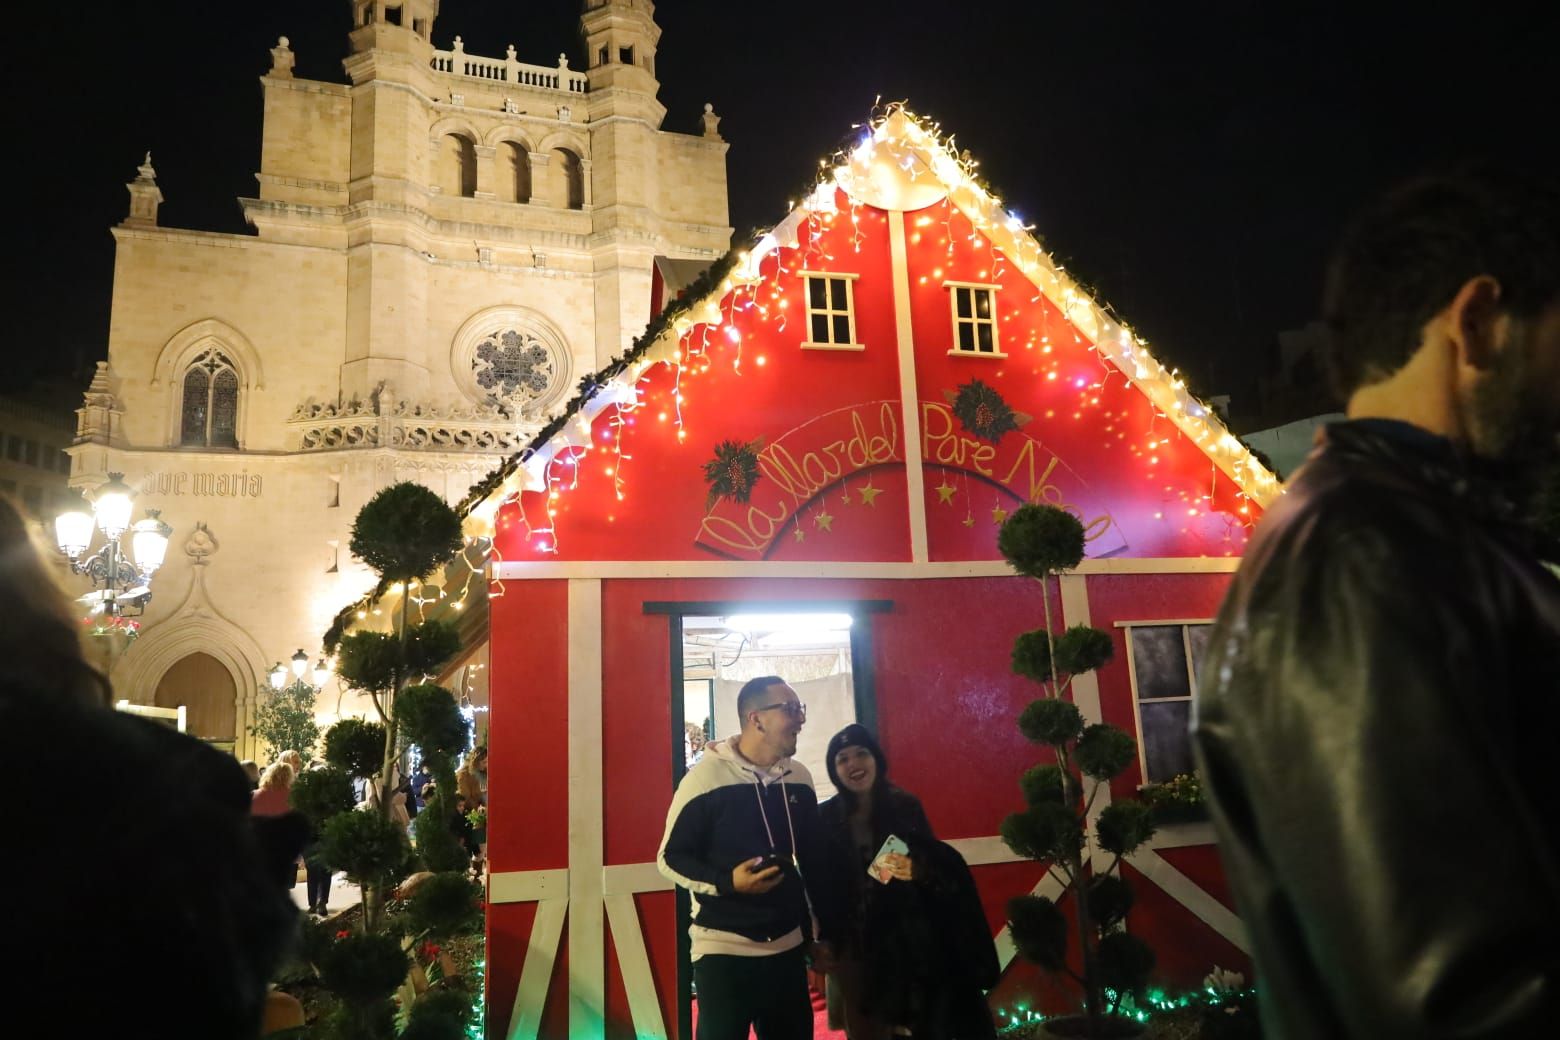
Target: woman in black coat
[(914, 952)]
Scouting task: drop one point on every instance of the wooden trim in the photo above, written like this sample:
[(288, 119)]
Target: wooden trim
[(587, 946), (910, 401), (1166, 623), (724, 607), (634, 960), (1194, 897), (626, 879), (527, 886), (519, 570), (536, 975)]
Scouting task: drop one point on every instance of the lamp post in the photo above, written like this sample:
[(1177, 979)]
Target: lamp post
[(120, 580), (300, 664)]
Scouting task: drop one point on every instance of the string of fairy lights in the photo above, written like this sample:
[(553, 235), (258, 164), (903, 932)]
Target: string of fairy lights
[(753, 290)]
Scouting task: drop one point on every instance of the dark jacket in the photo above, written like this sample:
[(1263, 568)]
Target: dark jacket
[(925, 948), (1374, 729), (727, 810)]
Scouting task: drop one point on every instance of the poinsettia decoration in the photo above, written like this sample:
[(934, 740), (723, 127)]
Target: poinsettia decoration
[(733, 471), (983, 412)]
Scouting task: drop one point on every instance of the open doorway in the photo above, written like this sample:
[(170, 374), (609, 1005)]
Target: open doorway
[(810, 651), (822, 649)]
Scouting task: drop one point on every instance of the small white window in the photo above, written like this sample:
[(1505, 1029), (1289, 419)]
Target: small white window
[(831, 311), (974, 319), (1163, 660)]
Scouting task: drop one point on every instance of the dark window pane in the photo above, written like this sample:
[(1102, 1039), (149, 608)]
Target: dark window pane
[(817, 294), (837, 293), (1166, 747), (962, 301), (986, 345), (224, 410), (13, 448), (982, 303), (192, 428), (841, 329), (30, 453), (820, 328), (966, 336), (1159, 659), (1198, 635)]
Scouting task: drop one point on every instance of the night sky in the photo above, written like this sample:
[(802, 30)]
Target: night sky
[(1191, 162)]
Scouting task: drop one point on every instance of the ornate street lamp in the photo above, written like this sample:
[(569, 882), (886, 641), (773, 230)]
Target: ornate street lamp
[(300, 664), (119, 580)]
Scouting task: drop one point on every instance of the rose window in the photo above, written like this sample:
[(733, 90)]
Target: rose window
[(513, 366)]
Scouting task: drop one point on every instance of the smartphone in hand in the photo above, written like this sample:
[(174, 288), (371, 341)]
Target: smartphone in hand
[(892, 846)]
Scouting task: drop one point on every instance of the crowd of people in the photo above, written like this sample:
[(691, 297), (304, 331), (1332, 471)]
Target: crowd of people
[(410, 795)]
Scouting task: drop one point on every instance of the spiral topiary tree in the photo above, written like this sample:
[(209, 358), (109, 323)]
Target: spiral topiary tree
[(1042, 542), (363, 971), (403, 533), (428, 716)]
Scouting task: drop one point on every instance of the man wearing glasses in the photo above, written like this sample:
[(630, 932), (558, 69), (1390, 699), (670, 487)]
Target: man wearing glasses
[(742, 837)]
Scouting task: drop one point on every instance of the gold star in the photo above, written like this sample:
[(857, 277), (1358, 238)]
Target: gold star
[(800, 534), (968, 521), (868, 493), (999, 514), (844, 498), (824, 520), (946, 491)]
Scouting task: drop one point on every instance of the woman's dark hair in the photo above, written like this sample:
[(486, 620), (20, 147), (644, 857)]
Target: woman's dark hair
[(1404, 259), (40, 642)]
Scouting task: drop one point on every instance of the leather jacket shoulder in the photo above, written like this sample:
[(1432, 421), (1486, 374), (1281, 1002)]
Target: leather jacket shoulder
[(1373, 726)]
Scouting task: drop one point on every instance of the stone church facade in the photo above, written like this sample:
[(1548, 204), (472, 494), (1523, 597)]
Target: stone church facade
[(443, 246)]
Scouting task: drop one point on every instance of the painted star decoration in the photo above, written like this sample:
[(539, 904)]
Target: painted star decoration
[(868, 494), (799, 533), (824, 520), (945, 492), (999, 515)]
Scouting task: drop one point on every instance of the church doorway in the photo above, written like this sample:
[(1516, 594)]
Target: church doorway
[(205, 687)]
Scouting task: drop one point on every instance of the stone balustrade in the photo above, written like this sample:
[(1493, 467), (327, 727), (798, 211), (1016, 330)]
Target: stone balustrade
[(507, 70)]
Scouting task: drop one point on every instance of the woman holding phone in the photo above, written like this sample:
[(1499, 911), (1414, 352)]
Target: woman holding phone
[(915, 953)]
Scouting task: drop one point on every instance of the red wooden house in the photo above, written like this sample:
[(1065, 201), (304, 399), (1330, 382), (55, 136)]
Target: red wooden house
[(808, 466)]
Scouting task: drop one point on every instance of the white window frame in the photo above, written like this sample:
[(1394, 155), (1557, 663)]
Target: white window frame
[(1185, 625), (973, 321), (829, 312)]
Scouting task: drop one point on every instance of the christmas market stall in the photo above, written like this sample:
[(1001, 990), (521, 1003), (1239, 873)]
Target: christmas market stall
[(801, 468)]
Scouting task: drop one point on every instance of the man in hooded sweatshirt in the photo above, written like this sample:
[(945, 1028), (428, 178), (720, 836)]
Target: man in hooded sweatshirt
[(742, 836)]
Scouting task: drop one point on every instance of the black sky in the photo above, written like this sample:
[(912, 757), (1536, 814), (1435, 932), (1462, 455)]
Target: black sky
[(1191, 161)]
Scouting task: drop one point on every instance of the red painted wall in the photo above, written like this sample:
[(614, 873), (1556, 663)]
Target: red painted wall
[(528, 765), (947, 704), (833, 488), (1091, 441)]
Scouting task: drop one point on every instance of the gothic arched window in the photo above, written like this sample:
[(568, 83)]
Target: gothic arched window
[(209, 405)]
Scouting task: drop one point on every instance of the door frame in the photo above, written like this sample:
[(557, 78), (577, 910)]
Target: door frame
[(863, 673)]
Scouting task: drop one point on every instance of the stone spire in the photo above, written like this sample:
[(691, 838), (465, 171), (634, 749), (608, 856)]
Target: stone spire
[(145, 196)]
